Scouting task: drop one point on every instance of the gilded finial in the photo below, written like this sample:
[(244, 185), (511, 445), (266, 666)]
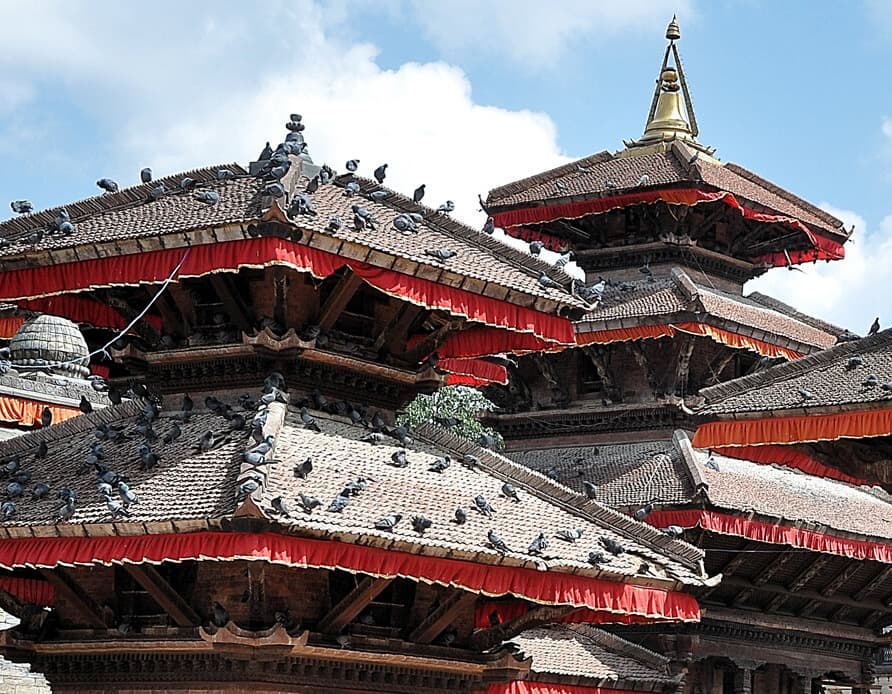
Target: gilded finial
[(673, 32)]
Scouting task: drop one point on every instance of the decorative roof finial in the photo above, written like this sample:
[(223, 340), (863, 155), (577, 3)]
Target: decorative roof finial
[(673, 33)]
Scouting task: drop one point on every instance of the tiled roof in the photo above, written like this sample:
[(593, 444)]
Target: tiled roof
[(589, 177), (670, 296), (793, 496), (584, 652), (823, 375), (627, 474), (204, 486), (128, 215)]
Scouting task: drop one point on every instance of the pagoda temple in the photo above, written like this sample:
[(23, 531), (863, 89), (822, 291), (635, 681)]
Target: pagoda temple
[(732, 420), (235, 506)]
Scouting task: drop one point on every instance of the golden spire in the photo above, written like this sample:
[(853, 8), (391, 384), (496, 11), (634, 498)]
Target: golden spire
[(671, 115)]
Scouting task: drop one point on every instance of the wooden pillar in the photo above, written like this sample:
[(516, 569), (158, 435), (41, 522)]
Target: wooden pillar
[(743, 681)]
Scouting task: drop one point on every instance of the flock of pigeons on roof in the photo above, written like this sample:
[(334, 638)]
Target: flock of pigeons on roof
[(274, 165)]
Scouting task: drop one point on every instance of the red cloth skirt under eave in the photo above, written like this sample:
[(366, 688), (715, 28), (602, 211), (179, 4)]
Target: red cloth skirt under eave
[(548, 587)]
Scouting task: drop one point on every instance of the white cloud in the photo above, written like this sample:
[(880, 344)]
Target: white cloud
[(535, 33), (848, 292)]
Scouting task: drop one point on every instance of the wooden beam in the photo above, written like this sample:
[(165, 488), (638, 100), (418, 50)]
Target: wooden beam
[(430, 343), (744, 584), (874, 583), (769, 571), (182, 298), (809, 572), (394, 334), (338, 299), (485, 639), (776, 602), (352, 604), (235, 307), (72, 593), (434, 624), (841, 578), (163, 593)]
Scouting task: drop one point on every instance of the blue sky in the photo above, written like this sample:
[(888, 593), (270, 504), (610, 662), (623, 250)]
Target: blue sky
[(462, 95)]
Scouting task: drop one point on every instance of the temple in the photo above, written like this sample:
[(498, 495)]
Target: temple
[(732, 420)]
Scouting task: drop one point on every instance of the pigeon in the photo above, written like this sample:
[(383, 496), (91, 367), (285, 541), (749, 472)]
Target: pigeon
[(208, 197), (224, 174), (536, 247), (148, 457), (127, 494), (66, 228), (219, 615), (309, 421), (875, 326), (389, 522), (266, 153), (612, 545), (870, 382), (281, 506), (674, 531), (65, 513), (595, 558), (305, 468), (404, 222), (563, 259), (441, 253), (569, 535), (461, 516), (539, 545), (157, 192), (14, 490), (12, 466), (108, 185), (374, 438), (806, 394), (483, 505), (418, 194), (265, 445), (41, 489), (854, 362), (187, 185), (380, 173), (549, 283), (399, 459), (591, 489), (887, 387), (496, 542), (145, 175), (249, 486), (115, 507), (644, 180), (275, 190), (421, 523), (254, 458), (509, 491), (446, 207), (379, 195), (85, 406), (41, 451), (7, 509), (489, 226), (308, 503), (470, 461), (440, 464), (643, 513), (22, 206), (712, 463), (487, 441), (352, 165), (312, 186), (338, 504), (351, 189)]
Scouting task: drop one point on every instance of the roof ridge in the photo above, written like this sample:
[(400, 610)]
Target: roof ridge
[(791, 369), (109, 202), (552, 491), (781, 307), (525, 262), (786, 194), (619, 645), (545, 176), (685, 448), (71, 426)]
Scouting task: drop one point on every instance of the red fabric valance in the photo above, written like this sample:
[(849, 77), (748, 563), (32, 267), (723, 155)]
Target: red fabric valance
[(720, 335), (155, 266), (552, 243), (549, 587), (80, 309), (536, 687), (799, 429), (784, 455), (9, 326), (29, 590), (27, 412), (773, 533), (473, 372), (482, 340), (823, 248)]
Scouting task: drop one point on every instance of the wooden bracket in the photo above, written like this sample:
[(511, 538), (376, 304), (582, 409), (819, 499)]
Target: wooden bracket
[(337, 301), (72, 593), (437, 621), (352, 604), (163, 593)]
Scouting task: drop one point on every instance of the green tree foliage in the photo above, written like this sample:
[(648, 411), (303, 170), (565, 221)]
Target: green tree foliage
[(458, 402)]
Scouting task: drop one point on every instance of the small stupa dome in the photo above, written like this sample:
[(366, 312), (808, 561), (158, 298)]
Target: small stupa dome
[(51, 340)]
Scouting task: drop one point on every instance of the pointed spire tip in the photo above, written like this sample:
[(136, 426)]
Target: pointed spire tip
[(673, 31)]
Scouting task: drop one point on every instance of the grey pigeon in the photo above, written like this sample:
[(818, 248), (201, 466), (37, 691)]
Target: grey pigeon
[(418, 194), (281, 506), (487, 441), (157, 192), (127, 494), (379, 195), (446, 207), (41, 489), (173, 434), (253, 458), (308, 503), (335, 223), (461, 516), (404, 222), (7, 509), (249, 486), (483, 505), (712, 463), (496, 542), (108, 185), (509, 491), (549, 283), (208, 197), (66, 228), (389, 522), (22, 206), (489, 226), (374, 438), (441, 253), (115, 507), (309, 421), (420, 523), (440, 464), (351, 189), (145, 175), (674, 531), (14, 490), (643, 512), (874, 327), (612, 545), (266, 153), (42, 450), (563, 259), (569, 535), (539, 545), (312, 185), (470, 461), (597, 558), (305, 468), (85, 405), (887, 387), (219, 615), (536, 247), (224, 174), (380, 173), (854, 362), (148, 457), (338, 504), (352, 165), (65, 513), (187, 184), (265, 445), (806, 394), (870, 382), (644, 180), (399, 459), (276, 190)]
